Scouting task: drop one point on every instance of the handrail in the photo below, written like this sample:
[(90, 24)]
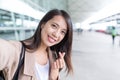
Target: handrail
[(17, 28)]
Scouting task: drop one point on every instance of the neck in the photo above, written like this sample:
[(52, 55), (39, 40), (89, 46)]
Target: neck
[(42, 49), (41, 55)]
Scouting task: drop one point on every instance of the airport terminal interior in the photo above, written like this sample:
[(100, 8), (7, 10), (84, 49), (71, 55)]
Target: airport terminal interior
[(95, 56)]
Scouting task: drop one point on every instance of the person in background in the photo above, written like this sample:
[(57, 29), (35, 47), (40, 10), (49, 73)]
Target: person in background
[(114, 34), (47, 52)]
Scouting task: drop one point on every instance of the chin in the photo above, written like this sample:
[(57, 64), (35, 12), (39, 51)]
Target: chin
[(51, 45)]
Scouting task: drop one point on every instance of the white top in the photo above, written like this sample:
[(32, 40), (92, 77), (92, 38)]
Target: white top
[(42, 71)]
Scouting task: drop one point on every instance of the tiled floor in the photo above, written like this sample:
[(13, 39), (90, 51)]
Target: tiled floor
[(94, 57)]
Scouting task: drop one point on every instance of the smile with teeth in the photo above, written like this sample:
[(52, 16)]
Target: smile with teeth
[(51, 39)]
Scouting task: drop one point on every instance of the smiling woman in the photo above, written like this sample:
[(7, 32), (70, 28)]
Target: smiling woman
[(46, 52), (54, 30)]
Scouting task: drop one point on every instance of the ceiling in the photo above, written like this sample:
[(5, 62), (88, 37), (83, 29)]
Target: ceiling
[(80, 10)]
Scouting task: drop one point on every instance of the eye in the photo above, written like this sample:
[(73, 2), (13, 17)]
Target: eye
[(54, 26), (63, 32)]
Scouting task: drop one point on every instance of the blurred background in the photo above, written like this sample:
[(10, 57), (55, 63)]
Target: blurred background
[(94, 55)]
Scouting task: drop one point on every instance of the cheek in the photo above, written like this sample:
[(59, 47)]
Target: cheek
[(61, 38), (43, 34), (44, 30)]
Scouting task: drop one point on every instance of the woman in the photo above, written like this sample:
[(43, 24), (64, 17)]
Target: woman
[(47, 51)]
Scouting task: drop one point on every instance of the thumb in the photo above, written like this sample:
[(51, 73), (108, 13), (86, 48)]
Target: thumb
[(62, 54)]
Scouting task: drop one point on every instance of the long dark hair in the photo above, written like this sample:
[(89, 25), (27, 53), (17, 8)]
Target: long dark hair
[(64, 46)]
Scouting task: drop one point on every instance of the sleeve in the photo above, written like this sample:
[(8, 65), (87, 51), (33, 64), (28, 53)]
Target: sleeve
[(7, 53)]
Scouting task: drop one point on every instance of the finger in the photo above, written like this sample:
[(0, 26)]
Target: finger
[(61, 63), (57, 63), (54, 65), (61, 54)]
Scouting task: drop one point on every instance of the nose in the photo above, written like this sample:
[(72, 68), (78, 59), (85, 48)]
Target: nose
[(56, 34)]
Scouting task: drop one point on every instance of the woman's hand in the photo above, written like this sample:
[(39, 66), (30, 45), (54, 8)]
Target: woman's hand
[(56, 65)]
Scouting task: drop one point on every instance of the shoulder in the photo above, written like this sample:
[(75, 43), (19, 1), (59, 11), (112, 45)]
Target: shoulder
[(9, 47), (9, 52), (9, 44)]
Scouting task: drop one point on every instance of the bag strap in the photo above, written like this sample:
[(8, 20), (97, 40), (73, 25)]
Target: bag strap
[(21, 62), (2, 76)]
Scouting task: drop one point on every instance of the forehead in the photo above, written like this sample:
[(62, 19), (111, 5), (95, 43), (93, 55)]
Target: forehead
[(60, 21)]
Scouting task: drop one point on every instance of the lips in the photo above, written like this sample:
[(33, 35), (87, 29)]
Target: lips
[(50, 39)]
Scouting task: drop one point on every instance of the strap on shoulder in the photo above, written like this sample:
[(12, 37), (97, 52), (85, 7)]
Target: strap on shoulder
[(21, 62)]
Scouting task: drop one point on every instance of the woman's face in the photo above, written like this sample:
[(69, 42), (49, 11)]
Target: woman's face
[(53, 31)]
